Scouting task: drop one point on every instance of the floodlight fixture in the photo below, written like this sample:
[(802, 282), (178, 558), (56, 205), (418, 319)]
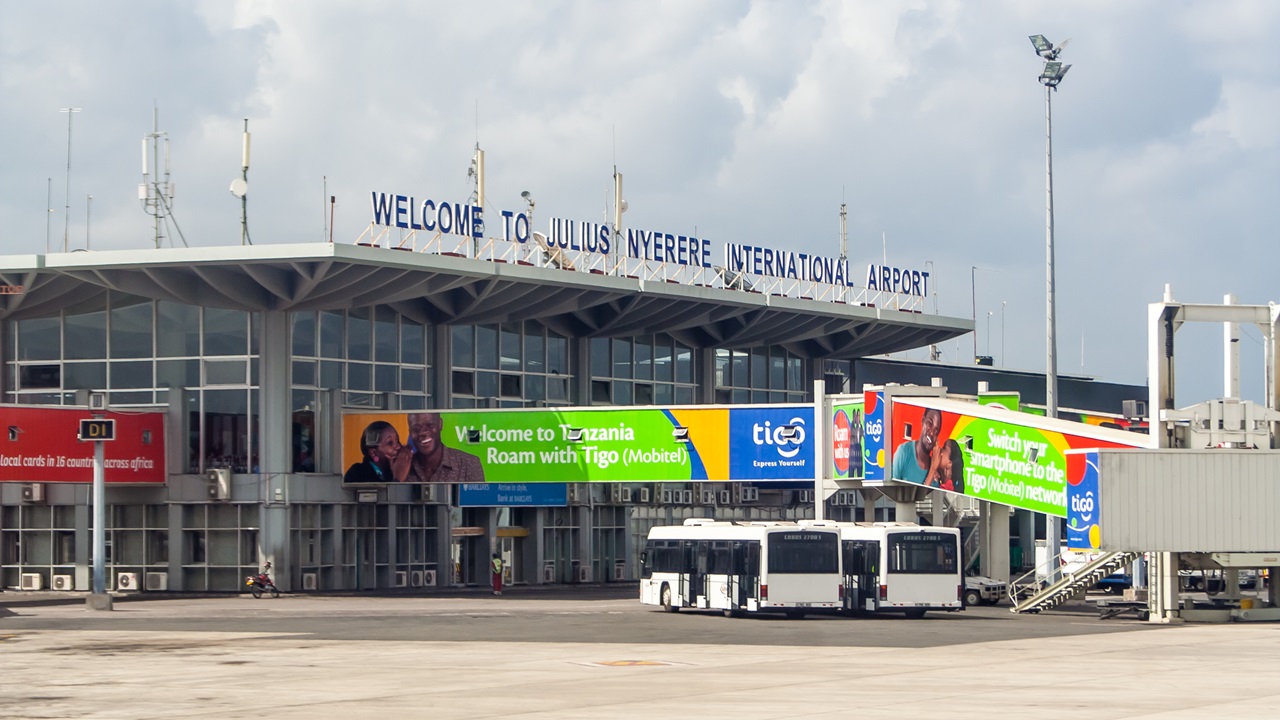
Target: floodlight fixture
[(573, 435), (1053, 73), (681, 434), (1046, 49), (1043, 47)]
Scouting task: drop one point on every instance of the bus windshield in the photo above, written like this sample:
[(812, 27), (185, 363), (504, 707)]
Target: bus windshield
[(804, 552), (922, 553)]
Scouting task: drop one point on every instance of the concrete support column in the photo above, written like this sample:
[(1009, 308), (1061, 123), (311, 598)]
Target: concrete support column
[(904, 499), (1162, 600), (586, 539), (705, 375), (993, 540), (580, 371), (177, 548), (538, 546), (443, 541), (869, 500), (274, 442), (441, 367)]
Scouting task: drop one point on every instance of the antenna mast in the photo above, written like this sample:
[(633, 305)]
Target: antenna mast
[(156, 194), (844, 232)]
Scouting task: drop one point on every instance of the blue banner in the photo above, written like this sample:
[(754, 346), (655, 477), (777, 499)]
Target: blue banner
[(874, 436), (1084, 532), (771, 443), (513, 495)]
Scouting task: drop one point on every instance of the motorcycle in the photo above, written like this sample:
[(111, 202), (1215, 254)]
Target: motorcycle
[(261, 583)]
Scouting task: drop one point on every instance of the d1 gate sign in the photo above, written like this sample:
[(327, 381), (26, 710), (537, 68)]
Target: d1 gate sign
[(97, 429)]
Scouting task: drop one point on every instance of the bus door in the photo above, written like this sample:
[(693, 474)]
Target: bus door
[(741, 581), (698, 572), (861, 576)]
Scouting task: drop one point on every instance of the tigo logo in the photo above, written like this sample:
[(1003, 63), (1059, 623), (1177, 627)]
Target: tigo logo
[(787, 438)]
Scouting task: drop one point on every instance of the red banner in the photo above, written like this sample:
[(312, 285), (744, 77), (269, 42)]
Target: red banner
[(38, 444)]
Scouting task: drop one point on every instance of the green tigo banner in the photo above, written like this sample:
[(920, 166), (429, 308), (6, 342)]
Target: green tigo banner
[(581, 445)]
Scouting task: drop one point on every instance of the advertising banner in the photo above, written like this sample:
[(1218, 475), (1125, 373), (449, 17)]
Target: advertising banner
[(513, 495), (1009, 458), (679, 444), (874, 437), (1084, 529), (846, 440), (41, 445)]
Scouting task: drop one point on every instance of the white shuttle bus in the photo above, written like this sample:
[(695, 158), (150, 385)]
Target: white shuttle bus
[(742, 567), (899, 567)]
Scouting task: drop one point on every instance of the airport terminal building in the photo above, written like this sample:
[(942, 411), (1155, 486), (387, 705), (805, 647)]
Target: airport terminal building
[(248, 357)]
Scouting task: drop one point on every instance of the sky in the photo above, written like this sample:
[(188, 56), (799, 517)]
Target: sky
[(743, 122)]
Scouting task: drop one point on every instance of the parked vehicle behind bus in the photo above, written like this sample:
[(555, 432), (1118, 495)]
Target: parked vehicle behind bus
[(899, 567), (742, 567)]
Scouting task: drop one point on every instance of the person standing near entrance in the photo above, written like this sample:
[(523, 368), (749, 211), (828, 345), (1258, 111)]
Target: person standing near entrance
[(496, 567)]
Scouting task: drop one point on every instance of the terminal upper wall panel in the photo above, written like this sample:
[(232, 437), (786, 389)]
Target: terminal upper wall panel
[(445, 290), (1189, 500)]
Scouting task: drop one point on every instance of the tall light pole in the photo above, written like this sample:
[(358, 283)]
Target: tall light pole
[(66, 218), (1002, 357), (989, 314), (1050, 76)]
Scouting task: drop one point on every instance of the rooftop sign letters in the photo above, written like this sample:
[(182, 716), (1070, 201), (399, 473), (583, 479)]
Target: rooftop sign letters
[(467, 220)]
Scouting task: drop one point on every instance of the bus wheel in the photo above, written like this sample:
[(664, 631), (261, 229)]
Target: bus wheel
[(732, 613), (915, 613), (972, 597), (666, 599)]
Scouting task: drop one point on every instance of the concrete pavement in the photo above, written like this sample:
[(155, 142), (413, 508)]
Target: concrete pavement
[(61, 661)]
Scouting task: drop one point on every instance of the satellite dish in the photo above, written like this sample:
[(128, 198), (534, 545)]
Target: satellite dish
[(239, 187)]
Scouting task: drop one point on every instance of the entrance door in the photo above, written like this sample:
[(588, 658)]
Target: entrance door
[(698, 576)]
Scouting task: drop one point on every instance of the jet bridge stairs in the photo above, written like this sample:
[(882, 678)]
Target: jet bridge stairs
[(1028, 596)]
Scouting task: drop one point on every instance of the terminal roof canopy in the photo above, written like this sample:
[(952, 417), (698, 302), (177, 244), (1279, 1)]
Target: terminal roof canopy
[(441, 289)]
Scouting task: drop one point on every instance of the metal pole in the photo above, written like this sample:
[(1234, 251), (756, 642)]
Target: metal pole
[(88, 220), (1003, 303), (66, 220), (48, 215), (1051, 368), (99, 521), (973, 307)]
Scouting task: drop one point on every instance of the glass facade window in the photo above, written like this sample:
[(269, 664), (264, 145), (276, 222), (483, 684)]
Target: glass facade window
[(531, 364), (85, 336), (304, 334), (39, 339), (759, 375), (644, 358), (226, 332), (131, 327), (177, 330)]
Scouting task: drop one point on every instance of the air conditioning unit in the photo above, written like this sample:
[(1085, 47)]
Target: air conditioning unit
[(750, 494), (97, 401), (725, 497), (625, 495), (415, 578), (428, 578), (577, 493), (64, 582), (669, 496), (686, 497), (620, 571), (584, 573), (33, 493), (646, 495), (806, 496), (219, 483), (615, 494), (31, 581), (310, 581), (127, 581), (402, 578), (156, 581), (549, 573)]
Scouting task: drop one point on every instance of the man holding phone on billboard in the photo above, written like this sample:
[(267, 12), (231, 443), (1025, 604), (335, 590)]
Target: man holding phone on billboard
[(432, 461), (913, 458)]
